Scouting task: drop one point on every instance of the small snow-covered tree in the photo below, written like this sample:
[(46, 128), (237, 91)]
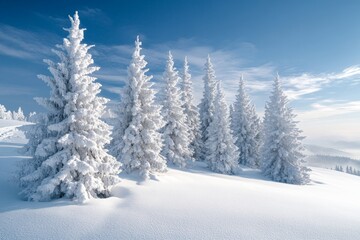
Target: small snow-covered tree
[(4, 114), (175, 132), (222, 153), (137, 141), (206, 106), (282, 158), (75, 163), (36, 134), (32, 117), (190, 111), (19, 115), (246, 128), (2, 111)]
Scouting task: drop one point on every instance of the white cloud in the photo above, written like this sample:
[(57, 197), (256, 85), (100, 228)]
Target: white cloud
[(306, 83), (16, 91), (116, 90), (330, 108)]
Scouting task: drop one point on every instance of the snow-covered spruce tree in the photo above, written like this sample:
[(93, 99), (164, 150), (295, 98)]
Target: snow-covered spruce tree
[(206, 106), (190, 111), (19, 115), (4, 114), (245, 127), (79, 168), (282, 159), (137, 141), (175, 132), (32, 117), (42, 141), (223, 155)]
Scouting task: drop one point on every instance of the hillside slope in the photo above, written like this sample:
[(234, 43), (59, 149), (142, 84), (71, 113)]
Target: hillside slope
[(191, 204)]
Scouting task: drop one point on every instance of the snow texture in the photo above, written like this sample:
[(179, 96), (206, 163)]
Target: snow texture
[(186, 204)]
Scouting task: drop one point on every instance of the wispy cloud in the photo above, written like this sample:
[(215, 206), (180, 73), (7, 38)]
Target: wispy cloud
[(22, 44), (116, 90), (16, 91), (95, 13), (306, 83), (330, 108)]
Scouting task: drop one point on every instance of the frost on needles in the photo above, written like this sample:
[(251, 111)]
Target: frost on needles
[(137, 141), (70, 160), (282, 158)]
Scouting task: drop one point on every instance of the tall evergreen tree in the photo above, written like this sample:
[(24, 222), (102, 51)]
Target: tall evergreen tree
[(176, 135), (190, 111), (222, 153), (282, 158), (137, 141), (72, 160), (246, 128), (206, 106)]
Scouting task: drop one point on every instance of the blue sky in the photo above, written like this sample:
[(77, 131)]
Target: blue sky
[(314, 45)]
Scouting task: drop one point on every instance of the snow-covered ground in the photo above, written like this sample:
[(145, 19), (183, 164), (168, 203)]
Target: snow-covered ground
[(191, 204)]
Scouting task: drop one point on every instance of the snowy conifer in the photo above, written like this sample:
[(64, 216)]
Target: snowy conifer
[(222, 153), (4, 114), (246, 129), (175, 132), (137, 142), (282, 158), (72, 160), (19, 115), (206, 106), (190, 111), (32, 117)]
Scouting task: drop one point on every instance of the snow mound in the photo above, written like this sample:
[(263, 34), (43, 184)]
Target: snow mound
[(192, 204)]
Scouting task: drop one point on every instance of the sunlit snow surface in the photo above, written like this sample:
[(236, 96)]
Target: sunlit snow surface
[(191, 204)]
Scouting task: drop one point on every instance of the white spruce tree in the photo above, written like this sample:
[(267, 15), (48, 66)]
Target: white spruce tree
[(222, 156), (175, 132), (190, 111), (32, 117), (282, 158), (137, 141), (2, 111), (75, 163), (19, 115), (246, 129), (206, 106), (4, 114)]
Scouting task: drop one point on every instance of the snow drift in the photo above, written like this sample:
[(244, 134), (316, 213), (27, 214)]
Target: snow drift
[(189, 204)]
